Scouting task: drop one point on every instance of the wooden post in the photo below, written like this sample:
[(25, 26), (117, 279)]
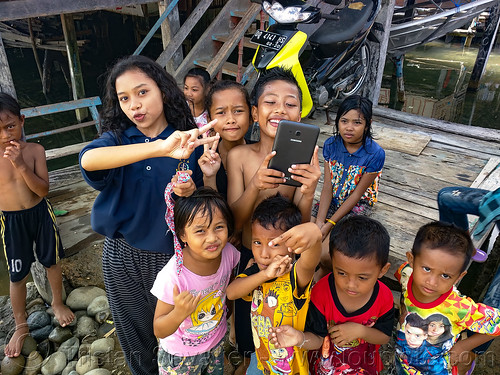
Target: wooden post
[(400, 83), (487, 43), (6, 82), (35, 53), (378, 52), (169, 28), (74, 63)]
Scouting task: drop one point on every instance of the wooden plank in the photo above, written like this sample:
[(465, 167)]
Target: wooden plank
[(410, 143), (61, 130), (64, 151), (489, 178), (71, 105), (227, 68), (183, 32), (236, 34), (424, 165), (19, 9), (225, 37), (450, 127), (408, 206), (387, 188)]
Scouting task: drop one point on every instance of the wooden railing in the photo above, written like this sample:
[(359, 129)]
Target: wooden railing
[(90, 103)]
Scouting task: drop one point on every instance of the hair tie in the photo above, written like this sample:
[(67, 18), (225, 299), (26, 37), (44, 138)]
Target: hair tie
[(182, 176)]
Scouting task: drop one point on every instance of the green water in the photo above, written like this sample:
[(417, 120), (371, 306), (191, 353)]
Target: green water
[(440, 73)]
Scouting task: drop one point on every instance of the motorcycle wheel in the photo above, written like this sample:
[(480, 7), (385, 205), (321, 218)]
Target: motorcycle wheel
[(364, 58)]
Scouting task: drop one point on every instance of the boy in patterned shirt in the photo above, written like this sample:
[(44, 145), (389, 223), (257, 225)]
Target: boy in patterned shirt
[(439, 258), (278, 288)]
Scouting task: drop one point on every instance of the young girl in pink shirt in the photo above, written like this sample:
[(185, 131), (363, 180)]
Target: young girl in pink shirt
[(190, 316)]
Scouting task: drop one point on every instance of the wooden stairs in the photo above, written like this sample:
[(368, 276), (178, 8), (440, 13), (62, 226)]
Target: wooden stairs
[(217, 43)]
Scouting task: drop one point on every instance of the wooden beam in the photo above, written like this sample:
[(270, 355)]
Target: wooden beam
[(20, 9), (75, 67), (182, 34), (378, 51), (169, 28), (446, 126), (6, 82)]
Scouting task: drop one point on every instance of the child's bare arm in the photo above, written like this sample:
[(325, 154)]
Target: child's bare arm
[(345, 333), (466, 345), (169, 317), (242, 198), (304, 239), (243, 286), (286, 336), (363, 184), (179, 145), (325, 198), (36, 177)]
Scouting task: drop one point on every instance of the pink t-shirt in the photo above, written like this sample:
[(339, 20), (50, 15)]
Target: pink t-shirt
[(206, 326)]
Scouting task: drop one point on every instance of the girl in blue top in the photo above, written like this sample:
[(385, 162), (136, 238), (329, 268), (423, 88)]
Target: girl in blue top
[(148, 134), (353, 165)]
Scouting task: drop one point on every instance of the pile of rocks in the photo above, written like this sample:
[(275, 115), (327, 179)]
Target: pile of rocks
[(83, 347)]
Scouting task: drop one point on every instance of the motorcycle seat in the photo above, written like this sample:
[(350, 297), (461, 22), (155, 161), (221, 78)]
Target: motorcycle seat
[(338, 34)]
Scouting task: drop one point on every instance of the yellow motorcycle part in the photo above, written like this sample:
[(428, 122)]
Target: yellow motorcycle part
[(288, 57)]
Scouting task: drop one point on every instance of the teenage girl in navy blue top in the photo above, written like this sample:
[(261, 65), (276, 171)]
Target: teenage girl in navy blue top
[(147, 134)]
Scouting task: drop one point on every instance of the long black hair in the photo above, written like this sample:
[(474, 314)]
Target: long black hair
[(358, 103), (175, 108)]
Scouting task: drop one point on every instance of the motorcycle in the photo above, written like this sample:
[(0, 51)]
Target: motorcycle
[(340, 56)]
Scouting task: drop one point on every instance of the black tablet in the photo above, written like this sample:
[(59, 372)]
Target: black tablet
[(294, 144)]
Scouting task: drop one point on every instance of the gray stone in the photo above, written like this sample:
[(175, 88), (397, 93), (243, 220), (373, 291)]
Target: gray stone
[(45, 348), (102, 346), (98, 304), (102, 316), (104, 328), (42, 333), (86, 364), (33, 364), (7, 323), (80, 298), (99, 371), (74, 372), (32, 293), (54, 364), (85, 326), (29, 345), (84, 349), (70, 367), (36, 304), (60, 334), (70, 348), (12, 365), (38, 320)]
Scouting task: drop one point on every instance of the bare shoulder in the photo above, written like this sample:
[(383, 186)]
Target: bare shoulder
[(242, 155), (34, 148)]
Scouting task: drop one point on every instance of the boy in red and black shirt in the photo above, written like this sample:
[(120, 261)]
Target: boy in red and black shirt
[(351, 312)]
